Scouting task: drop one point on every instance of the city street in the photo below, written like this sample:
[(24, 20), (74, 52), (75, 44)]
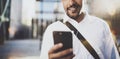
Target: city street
[(20, 49)]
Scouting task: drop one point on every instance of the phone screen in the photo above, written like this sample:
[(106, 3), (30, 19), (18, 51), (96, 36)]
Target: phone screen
[(64, 37)]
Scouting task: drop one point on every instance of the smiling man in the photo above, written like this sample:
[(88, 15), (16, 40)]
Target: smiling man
[(95, 31)]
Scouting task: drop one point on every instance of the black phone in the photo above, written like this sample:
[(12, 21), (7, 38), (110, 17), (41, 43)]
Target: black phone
[(64, 37)]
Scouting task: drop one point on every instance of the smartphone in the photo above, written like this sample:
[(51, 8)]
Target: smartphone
[(64, 37)]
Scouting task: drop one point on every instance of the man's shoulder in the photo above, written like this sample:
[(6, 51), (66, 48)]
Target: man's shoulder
[(97, 19), (54, 24), (57, 26)]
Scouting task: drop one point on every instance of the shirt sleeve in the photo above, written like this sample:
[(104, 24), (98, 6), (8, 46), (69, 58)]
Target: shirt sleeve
[(47, 43), (110, 51)]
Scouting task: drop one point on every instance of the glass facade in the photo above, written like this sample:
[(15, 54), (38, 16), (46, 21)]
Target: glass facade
[(49, 9)]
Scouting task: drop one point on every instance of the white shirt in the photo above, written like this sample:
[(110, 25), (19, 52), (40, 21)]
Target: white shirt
[(95, 30)]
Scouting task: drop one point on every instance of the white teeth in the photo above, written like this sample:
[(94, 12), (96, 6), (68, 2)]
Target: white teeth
[(73, 9)]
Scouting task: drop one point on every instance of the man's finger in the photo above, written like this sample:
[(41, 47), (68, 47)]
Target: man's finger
[(55, 47), (69, 57), (61, 53)]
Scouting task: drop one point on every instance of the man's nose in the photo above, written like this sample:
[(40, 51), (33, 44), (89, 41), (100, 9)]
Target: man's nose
[(71, 2)]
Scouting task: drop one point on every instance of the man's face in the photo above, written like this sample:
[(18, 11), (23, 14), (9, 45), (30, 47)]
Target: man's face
[(72, 7)]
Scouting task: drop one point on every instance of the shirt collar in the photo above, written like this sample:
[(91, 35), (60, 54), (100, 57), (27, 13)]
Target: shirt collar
[(67, 18)]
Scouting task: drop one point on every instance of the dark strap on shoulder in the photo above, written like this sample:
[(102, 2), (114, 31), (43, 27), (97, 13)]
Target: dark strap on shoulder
[(83, 40)]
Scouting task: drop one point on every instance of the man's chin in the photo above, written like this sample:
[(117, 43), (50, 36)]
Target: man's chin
[(73, 16)]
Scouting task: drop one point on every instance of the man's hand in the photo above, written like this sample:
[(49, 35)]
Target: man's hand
[(59, 55)]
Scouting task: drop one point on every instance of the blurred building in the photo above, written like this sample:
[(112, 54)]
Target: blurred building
[(4, 19)]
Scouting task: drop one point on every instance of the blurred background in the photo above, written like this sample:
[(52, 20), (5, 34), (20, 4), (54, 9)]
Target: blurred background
[(23, 22)]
